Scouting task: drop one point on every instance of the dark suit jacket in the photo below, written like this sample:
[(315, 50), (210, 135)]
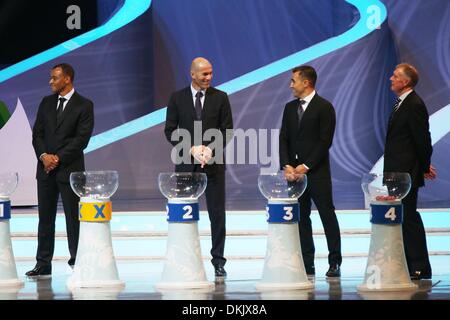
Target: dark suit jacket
[(67, 138), (408, 142), (308, 144), (216, 114)]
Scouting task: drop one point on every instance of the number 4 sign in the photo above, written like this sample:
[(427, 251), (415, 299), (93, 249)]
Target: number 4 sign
[(386, 214)]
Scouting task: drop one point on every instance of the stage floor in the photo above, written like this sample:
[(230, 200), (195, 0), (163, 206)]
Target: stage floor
[(140, 278)]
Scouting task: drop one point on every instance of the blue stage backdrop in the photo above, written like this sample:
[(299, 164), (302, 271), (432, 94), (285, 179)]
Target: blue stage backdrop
[(130, 73)]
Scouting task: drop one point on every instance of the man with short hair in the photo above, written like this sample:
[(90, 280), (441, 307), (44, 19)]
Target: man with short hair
[(305, 137), (408, 149), (63, 127), (204, 104)]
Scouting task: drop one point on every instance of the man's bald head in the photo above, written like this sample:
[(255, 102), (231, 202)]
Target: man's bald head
[(201, 73), (199, 63)]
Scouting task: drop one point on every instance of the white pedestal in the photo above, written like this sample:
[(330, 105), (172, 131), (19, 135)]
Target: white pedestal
[(183, 267), (8, 271), (386, 268), (284, 267), (95, 265)]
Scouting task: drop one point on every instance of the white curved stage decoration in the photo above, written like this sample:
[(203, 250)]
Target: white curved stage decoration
[(18, 156)]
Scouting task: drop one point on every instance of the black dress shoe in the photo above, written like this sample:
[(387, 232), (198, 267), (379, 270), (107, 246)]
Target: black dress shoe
[(419, 275), (40, 271), (310, 270), (334, 271), (220, 272)]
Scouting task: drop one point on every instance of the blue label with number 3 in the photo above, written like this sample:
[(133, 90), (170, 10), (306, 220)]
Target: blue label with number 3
[(283, 212), (182, 212), (386, 214)]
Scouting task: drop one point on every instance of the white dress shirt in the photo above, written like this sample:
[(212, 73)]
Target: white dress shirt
[(403, 97), (194, 92), (67, 97), (307, 100)]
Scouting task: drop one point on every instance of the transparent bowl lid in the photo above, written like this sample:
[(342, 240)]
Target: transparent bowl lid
[(95, 184), (274, 186), (8, 183), (182, 185), (387, 186)]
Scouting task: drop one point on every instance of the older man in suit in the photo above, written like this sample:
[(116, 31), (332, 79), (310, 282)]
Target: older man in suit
[(306, 135), (408, 149), (202, 104), (63, 127)]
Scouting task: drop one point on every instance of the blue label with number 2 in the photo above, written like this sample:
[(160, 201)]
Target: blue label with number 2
[(182, 212)]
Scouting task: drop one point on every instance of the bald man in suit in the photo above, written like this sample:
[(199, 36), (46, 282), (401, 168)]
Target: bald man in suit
[(204, 104)]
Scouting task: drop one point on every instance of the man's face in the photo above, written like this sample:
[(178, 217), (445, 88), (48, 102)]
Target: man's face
[(298, 85), (201, 77), (398, 81), (58, 81)]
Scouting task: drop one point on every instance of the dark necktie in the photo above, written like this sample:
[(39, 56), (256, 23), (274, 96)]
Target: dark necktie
[(60, 109), (394, 108), (300, 111), (397, 104), (198, 105)]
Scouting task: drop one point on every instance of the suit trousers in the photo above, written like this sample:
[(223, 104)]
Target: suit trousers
[(48, 193), (215, 203), (414, 237), (320, 191)]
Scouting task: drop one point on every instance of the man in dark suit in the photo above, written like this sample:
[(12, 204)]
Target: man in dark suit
[(408, 149), (202, 104), (62, 130), (306, 135)]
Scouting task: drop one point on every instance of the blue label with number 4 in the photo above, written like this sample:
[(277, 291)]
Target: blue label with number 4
[(182, 212), (283, 212), (386, 214)]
